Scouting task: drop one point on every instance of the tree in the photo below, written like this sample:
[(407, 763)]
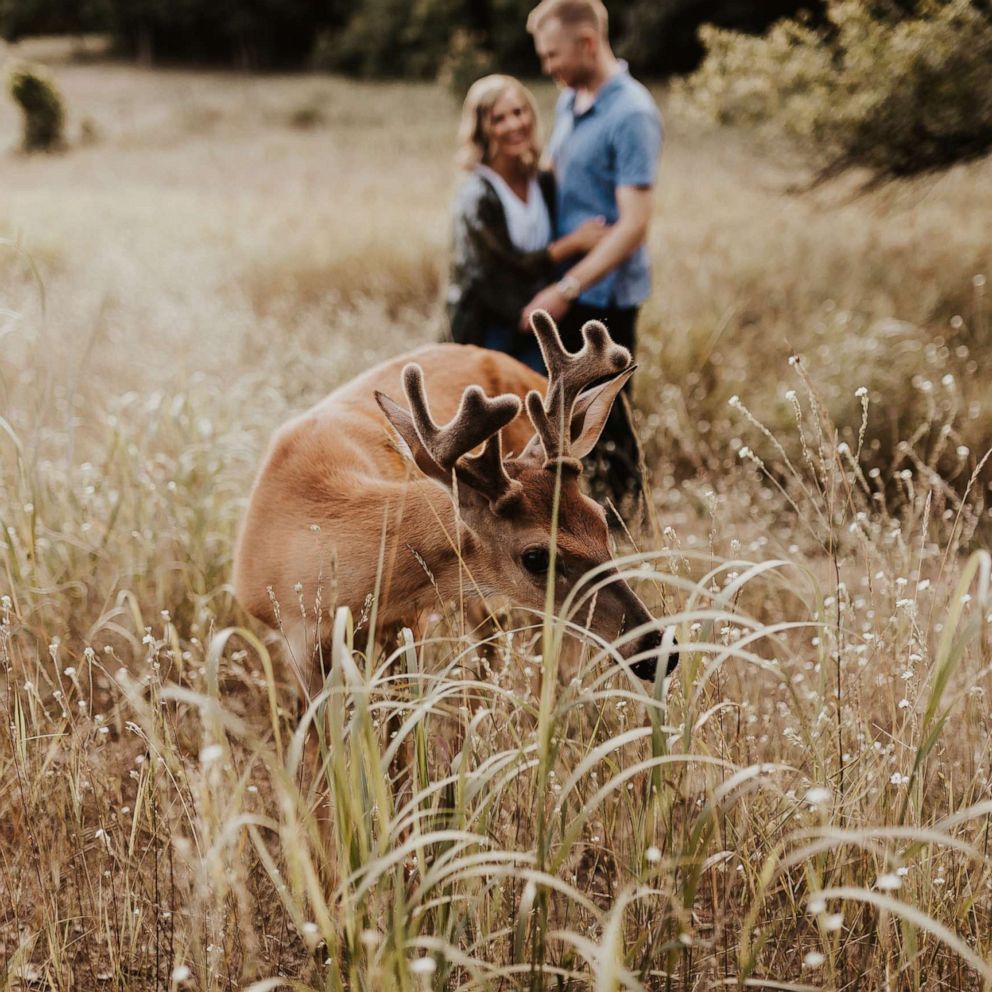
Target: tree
[(894, 90)]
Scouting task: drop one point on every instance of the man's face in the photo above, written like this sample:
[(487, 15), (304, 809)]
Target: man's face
[(565, 54)]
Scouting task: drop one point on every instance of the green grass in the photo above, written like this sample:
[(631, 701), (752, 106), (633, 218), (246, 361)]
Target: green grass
[(806, 805)]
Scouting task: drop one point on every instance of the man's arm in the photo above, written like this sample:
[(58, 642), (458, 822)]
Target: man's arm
[(624, 237)]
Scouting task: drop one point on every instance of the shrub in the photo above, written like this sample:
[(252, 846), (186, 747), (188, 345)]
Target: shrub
[(44, 117), (464, 63), (898, 94)]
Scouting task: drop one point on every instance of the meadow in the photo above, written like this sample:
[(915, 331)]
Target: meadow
[(804, 805)]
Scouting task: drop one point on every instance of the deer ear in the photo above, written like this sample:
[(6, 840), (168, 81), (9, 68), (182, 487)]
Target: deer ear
[(410, 444), (591, 410)]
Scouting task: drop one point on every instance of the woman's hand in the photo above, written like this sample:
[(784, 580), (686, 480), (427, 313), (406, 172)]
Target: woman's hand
[(581, 241)]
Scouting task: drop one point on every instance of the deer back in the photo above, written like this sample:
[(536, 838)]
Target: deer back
[(333, 477)]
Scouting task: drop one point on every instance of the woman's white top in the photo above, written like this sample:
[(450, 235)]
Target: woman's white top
[(528, 222)]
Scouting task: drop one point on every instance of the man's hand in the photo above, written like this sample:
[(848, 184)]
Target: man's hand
[(549, 299), (617, 242)]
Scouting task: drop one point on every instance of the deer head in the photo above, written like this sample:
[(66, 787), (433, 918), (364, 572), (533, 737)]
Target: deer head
[(507, 502)]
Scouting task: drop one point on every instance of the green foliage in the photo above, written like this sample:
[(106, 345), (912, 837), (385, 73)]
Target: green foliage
[(464, 63), (397, 38), (393, 38), (23, 17), (250, 33), (898, 95), (35, 91)]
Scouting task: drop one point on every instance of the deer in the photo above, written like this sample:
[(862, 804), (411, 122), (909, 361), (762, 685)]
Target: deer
[(362, 493)]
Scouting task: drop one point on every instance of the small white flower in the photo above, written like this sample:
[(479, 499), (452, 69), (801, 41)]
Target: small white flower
[(898, 778), (652, 855), (813, 960), (904, 703), (819, 795), (888, 883), (210, 753), (180, 973), (423, 966)]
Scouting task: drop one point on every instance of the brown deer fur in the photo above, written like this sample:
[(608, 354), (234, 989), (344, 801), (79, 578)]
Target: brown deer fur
[(337, 494)]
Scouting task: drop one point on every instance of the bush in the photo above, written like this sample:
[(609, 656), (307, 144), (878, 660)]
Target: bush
[(898, 94), (39, 99), (464, 63)]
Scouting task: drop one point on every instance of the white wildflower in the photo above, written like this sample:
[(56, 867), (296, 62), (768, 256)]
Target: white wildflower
[(210, 753), (423, 966)]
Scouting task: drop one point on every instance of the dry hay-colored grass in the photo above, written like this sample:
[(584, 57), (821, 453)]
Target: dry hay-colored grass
[(807, 804)]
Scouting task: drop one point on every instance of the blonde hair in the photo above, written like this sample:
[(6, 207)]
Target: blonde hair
[(571, 14), (473, 138)]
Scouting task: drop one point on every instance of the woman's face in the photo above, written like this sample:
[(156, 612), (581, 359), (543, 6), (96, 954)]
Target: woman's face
[(511, 127)]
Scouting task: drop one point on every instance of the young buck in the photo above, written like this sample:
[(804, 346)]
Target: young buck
[(343, 506)]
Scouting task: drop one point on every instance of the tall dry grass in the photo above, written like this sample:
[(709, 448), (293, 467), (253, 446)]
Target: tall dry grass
[(806, 805)]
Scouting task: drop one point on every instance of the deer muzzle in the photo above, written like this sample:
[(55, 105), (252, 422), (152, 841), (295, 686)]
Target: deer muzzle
[(651, 645)]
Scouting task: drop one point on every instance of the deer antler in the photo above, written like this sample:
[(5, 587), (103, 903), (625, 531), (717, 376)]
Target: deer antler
[(569, 374), (478, 418)]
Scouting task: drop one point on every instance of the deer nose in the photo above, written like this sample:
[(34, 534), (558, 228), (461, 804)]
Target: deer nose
[(647, 668)]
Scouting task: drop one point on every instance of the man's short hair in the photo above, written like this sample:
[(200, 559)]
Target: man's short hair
[(571, 14)]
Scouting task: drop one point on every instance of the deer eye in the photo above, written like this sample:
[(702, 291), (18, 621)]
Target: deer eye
[(536, 560)]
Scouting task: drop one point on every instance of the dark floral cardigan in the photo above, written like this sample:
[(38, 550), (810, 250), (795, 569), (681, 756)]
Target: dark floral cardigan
[(491, 280)]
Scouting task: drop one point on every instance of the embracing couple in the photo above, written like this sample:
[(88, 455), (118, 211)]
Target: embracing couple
[(569, 240)]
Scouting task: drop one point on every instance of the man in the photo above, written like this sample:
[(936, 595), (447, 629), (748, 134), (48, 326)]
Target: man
[(604, 151)]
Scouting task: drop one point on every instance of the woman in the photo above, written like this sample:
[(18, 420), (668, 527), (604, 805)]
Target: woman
[(503, 221)]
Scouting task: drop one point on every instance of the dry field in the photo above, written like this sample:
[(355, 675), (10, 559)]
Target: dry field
[(805, 806)]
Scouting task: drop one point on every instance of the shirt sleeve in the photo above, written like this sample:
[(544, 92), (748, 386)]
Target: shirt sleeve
[(637, 140)]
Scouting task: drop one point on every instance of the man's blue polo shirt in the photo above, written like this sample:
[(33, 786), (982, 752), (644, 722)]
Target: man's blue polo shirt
[(616, 142)]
